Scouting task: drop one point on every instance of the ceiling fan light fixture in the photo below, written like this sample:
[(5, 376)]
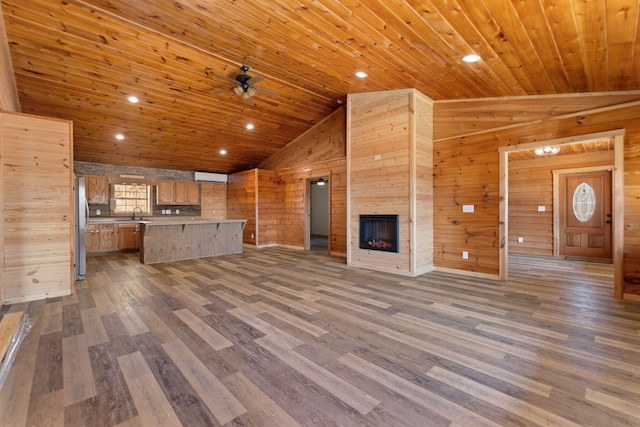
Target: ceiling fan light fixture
[(251, 91), (238, 90)]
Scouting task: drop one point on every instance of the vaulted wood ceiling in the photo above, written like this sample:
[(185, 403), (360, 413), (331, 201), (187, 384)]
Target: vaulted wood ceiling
[(80, 59)]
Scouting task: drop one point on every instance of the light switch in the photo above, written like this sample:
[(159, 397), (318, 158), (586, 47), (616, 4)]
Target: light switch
[(541, 209), (468, 208), (520, 239), (97, 211), (465, 255)]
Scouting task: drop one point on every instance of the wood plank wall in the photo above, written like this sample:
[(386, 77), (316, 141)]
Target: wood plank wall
[(267, 208), (37, 178), (318, 152), (466, 172), (422, 218), (389, 151), (213, 200), (241, 201), (325, 141), (292, 187), (530, 186)]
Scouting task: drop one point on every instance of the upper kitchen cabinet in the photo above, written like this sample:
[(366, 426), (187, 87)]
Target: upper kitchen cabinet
[(186, 193), (97, 190), (177, 193), (164, 193)]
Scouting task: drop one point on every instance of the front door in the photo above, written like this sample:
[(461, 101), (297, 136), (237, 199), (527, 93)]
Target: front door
[(585, 214)]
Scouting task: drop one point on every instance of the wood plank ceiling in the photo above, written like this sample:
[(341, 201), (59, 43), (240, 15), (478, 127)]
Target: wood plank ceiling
[(80, 59)]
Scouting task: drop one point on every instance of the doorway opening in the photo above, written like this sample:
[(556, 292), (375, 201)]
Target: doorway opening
[(318, 214), (617, 211)]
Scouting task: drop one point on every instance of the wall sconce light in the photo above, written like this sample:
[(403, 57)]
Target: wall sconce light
[(547, 151), (320, 181)]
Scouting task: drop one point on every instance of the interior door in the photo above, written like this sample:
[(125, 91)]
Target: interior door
[(585, 214)]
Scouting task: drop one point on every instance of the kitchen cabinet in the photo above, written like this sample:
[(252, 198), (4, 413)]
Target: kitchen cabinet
[(186, 193), (164, 193), (177, 193), (101, 238), (97, 190), (128, 237), (92, 238)]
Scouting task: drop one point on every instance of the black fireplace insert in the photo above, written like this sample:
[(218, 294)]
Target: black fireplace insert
[(379, 232)]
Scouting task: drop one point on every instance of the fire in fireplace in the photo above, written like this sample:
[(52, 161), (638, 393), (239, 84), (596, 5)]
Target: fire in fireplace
[(379, 232)]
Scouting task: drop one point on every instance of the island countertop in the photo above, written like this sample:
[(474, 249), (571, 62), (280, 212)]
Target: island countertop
[(180, 239)]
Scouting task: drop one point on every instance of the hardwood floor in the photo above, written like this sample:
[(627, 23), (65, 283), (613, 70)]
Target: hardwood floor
[(276, 337)]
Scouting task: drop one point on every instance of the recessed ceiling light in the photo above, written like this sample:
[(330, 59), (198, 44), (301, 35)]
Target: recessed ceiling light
[(120, 136), (361, 74), (249, 126), (471, 58), (223, 152), (133, 99)]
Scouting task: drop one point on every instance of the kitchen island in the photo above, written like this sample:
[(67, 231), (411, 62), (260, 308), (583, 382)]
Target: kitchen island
[(180, 239)]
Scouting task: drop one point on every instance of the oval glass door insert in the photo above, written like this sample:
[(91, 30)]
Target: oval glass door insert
[(584, 202)]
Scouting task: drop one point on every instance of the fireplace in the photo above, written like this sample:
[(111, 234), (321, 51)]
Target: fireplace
[(379, 232)]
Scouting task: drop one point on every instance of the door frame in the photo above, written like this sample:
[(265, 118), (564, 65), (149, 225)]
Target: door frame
[(557, 201), (617, 203)]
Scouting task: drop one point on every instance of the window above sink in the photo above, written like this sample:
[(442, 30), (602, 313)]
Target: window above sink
[(127, 198)]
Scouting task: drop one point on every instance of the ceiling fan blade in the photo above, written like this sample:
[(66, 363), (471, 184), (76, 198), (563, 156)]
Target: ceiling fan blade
[(220, 91), (268, 92), (230, 80), (256, 79)]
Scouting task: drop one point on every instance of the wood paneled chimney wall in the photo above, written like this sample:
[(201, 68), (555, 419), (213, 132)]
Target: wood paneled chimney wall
[(390, 172)]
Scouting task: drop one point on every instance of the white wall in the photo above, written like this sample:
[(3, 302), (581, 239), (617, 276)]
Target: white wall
[(320, 209)]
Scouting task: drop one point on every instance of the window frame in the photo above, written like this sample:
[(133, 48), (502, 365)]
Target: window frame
[(128, 211)]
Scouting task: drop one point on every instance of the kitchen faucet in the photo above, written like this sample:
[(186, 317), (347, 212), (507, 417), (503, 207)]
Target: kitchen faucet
[(133, 214)]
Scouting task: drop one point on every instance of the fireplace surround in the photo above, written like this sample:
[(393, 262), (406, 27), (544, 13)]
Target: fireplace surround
[(379, 233)]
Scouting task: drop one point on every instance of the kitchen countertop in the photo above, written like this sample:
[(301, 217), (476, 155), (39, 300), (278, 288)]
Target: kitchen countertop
[(126, 220)]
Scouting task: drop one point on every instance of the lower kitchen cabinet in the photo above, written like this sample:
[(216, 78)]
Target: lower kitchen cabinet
[(128, 237), (101, 238)]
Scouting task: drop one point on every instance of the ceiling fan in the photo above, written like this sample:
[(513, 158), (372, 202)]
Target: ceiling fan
[(244, 85)]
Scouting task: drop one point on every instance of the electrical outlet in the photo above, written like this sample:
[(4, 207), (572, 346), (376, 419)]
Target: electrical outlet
[(520, 239), (177, 211), (97, 211), (253, 236), (164, 211), (541, 208), (465, 255)]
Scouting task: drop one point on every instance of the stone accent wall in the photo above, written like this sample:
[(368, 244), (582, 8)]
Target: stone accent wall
[(103, 169)]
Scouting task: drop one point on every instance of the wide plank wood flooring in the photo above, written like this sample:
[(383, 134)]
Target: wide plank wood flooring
[(278, 337)]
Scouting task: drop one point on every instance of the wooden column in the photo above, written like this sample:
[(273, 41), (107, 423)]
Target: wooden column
[(38, 223)]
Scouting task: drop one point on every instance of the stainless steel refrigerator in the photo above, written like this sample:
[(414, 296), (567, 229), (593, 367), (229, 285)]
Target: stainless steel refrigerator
[(82, 216)]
